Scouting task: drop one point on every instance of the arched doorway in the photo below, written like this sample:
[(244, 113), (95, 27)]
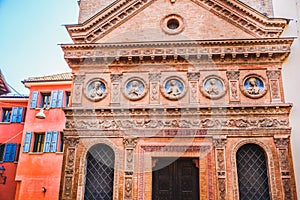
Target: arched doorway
[(99, 173)]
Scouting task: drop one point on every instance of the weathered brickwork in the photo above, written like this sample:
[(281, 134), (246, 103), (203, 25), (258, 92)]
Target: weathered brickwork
[(189, 79), (263, 6)]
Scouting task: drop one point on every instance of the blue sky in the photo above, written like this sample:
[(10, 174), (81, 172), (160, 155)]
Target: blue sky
[(30, 31)]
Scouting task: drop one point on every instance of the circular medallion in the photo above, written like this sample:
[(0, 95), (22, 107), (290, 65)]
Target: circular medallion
[(213, 87), (254, 86), (95, 90), (173, 88), (172, 24), (135, 89)]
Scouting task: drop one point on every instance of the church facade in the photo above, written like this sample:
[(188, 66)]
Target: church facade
[(177, 99)]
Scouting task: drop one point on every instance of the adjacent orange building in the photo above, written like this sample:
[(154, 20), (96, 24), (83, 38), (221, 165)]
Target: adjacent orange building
[(12, 115), (40, 162)]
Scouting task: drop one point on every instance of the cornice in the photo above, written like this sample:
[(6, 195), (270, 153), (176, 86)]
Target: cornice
[(266, 110), (268, 50), (235, 12)]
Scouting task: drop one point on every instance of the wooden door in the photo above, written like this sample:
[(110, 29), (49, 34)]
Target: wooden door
[(175, 179)]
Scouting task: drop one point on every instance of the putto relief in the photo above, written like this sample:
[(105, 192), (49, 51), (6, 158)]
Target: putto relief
[(96, 90), (254, 86), (173, 88), (134, 89), (213, 87)]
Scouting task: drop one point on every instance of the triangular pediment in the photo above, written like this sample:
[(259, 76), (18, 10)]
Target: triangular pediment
[(146, 20)]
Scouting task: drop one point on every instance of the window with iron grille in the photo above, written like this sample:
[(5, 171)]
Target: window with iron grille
[(252, 173), (99, 173)]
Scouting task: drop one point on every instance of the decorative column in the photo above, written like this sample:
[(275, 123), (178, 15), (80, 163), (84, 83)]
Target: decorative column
[(115, 88), (154, 79), (233, 82), (274, 76), (129, 144), (77, 90), (219, 143), (282, 145), (193, 78), (69, 168)]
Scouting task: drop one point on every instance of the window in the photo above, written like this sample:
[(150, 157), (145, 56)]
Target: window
[(15, 114), (62, 138), (38, 145), (57, 98), (99, 173), (6, 114), (68, 98), (34, 99), (45, 100), (10, 152), (252, 173), (27, 142), (51, 141), (2, 147)]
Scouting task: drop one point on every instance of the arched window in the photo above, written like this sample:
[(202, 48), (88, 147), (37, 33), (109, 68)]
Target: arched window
[(99, 173), (252, 173)]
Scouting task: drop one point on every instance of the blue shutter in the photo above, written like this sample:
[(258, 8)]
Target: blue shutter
[(34, 98), (27, 141), (54, 139), (47, 142), (14, 114), (60, 97), (20, 114), (53, 99), (10, 152)]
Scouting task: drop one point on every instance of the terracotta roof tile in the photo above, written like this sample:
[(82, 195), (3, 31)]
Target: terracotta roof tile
[(55, 77)]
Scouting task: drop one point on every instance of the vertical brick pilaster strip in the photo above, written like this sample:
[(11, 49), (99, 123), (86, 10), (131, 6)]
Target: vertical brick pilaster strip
[(193, 78), (77, 90), (233, 81), (282, 145), (68, 184), (220, 144), (115, 88), (273, 76), (154, 79), (130, 144)]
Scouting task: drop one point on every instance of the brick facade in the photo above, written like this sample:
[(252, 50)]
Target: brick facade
[(170, 78)]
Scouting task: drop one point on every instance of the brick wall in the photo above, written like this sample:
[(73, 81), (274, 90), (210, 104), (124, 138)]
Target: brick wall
[(263, 6), (89, 8)]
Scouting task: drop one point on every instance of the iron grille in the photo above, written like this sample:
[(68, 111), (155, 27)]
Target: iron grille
[(99, 173), (252, 173)]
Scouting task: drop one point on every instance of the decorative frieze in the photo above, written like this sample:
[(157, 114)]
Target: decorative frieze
[(71, 147), (274, 76), (282, 145), (219, 143), (154, 87), (207, 123), (115, 88), (233, 81)]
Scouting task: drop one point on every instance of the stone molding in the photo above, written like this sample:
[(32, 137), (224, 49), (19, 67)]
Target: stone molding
[(232, 11), (254, 50)]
